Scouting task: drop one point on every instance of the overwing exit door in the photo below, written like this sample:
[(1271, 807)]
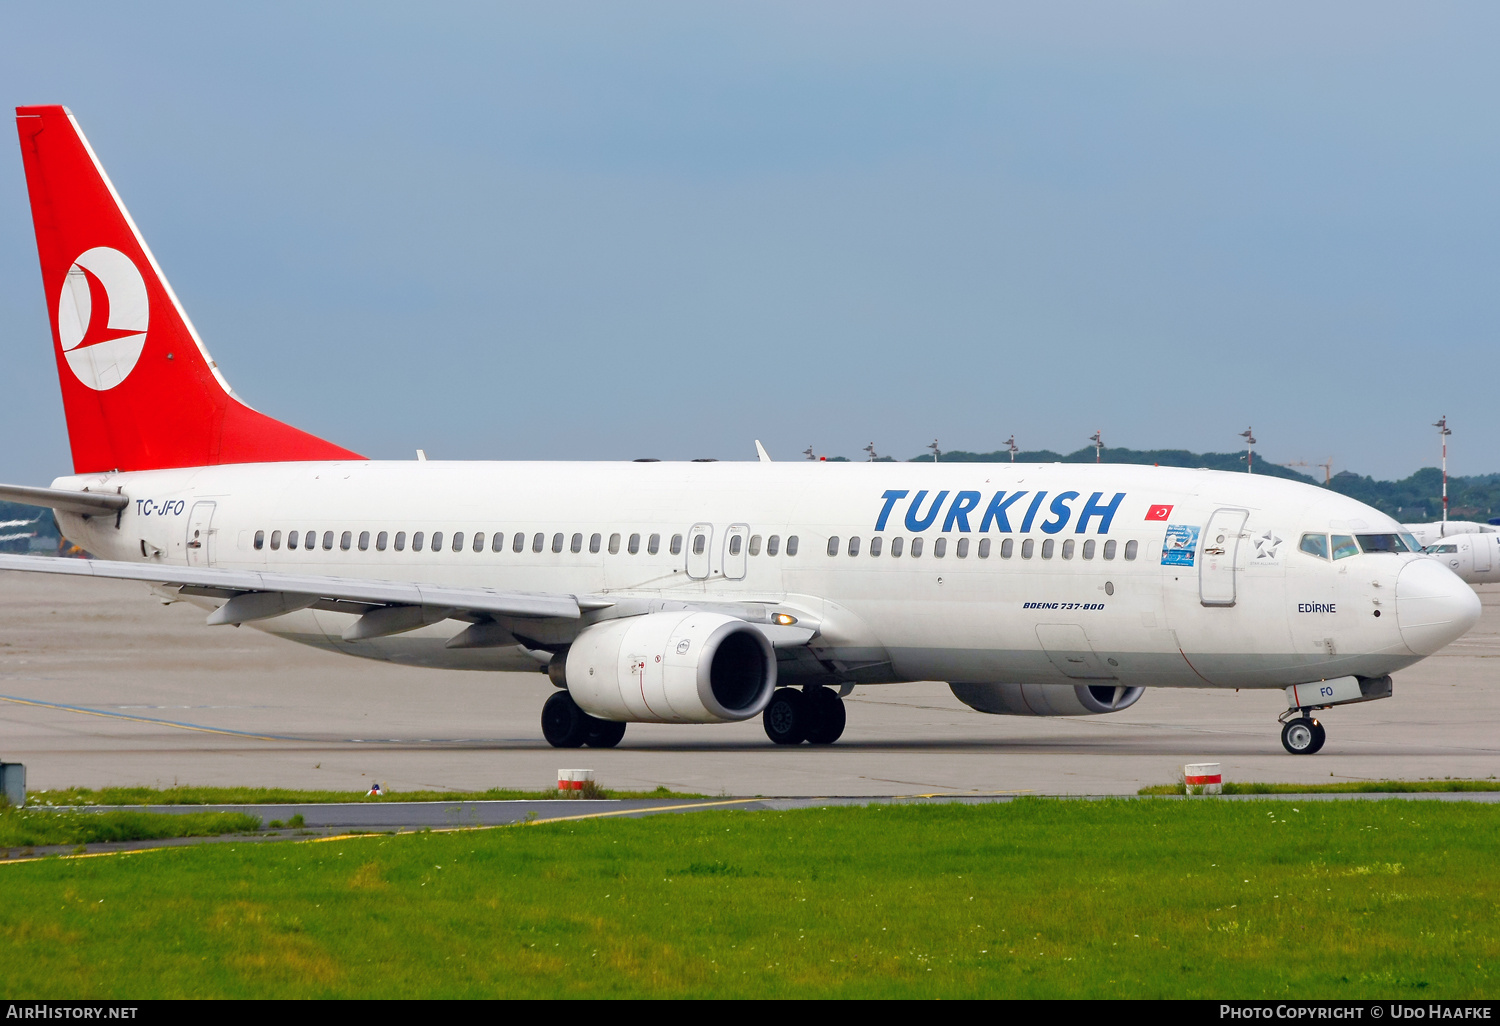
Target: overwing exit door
[(735, 540), (700, 540), (1219, 556), (200, 535)]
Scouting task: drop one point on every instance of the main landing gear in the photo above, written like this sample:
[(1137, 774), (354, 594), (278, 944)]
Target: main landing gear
[(1303, 735), (564, 725), (814, 715)]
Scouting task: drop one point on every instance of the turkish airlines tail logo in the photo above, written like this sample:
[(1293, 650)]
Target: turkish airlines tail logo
[(102, 316)]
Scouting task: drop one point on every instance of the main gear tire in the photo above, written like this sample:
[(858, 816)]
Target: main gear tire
[(564, 725), (826, 722), (786, 718), (604, 733)]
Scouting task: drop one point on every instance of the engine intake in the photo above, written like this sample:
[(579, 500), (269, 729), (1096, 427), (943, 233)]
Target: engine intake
[(1046, 699), (678, 667)]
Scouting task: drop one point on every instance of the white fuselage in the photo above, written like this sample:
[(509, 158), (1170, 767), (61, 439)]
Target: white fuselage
[(1038, 598), (1473, 557)]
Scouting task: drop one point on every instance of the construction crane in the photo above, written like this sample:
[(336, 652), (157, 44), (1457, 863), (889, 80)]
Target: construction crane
[(1327, 467)]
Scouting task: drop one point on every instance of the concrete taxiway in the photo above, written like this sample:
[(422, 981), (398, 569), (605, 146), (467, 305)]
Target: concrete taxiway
[(100, 683)]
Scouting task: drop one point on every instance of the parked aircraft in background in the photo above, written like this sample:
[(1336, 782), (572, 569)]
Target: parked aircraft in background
[(1474, 557), (1426, 534), (697, 592)]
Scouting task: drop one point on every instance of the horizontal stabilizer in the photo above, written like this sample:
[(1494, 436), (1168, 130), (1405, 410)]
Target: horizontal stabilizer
[(90, 504)]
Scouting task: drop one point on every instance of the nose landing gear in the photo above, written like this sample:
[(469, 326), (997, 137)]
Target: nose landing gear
[(1302, 735)]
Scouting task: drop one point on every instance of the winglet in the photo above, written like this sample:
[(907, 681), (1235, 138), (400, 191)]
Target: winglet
[(760, 450)]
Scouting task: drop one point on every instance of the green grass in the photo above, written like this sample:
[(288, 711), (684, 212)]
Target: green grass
[(26, 828), (1035, 898), (1341, 787), (284, 796)]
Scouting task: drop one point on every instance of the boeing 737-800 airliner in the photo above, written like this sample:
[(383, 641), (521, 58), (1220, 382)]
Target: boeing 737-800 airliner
[(696, 592)]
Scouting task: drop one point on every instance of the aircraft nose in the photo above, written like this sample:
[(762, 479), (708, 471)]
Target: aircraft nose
[(1433, 606)]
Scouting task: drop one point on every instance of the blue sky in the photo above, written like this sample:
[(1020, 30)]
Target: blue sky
[(603, 231)]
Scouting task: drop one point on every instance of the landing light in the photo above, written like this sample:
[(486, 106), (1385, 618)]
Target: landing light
[(783, 619)]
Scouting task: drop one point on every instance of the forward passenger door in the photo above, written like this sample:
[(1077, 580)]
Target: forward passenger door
[(1219, 556)]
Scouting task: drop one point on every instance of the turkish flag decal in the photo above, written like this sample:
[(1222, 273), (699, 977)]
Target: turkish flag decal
[(1158, 512)]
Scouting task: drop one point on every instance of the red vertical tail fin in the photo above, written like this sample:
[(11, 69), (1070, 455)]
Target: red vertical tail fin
[(139, 389)]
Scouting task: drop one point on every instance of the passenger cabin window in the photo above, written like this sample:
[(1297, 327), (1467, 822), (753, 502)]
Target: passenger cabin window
[(875, 544), (478, 541), (1088, 549), (676, 545), (538, 542), (1379, 543), (1315, 545), (1007, 548), (735, 544), (1343, 545), (291, 539), (416, 541), (635, 544), (346, 540), (791, 545), (380, 540), (963, 548), (699, 541), (916, 547), (773, 544), (614, 544), (260, 539), (557, 542), (1131, 549), (940, 548), (437, 541), (653, 545), (327, 539), (275, 539), (400, 541), (1109, 549), (984, 548), (1047, 548), (1028, 548), (364, 541), (755, 545), (575, 545), (1067, 552), (854, 546), (896, 545), (594, 541), (833, 545), (519, 543), (458, 541), (497, 542)]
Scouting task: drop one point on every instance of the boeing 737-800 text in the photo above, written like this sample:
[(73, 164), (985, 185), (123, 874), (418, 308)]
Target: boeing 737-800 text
[(696, 592)]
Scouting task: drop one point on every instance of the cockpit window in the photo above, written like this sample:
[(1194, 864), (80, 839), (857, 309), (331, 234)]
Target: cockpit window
[(1343, 545), (1438, 550), (1382, 543), (1315, 545), (1411, 543)]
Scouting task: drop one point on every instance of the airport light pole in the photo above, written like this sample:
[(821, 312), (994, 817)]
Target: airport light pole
[(871, 450), (1249, 449), (1098, 439), (1443, 432), (936, 452), (1010, 445)]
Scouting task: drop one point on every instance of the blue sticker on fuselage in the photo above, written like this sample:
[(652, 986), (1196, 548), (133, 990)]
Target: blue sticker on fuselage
[(1180, 545)]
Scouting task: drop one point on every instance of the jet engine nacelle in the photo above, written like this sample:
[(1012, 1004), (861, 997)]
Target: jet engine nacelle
[(678, 667), (1046, 699)]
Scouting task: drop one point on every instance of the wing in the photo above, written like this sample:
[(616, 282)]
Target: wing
[(393, 607)]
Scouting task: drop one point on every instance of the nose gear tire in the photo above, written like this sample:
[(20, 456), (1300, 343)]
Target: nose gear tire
[(1303, 736)]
